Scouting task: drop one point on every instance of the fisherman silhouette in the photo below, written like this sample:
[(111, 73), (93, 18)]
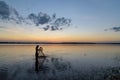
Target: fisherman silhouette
[(37, 63), (39, 51), (36, 53)]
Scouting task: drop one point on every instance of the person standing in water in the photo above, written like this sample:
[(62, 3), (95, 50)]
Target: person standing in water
[(38, 51)]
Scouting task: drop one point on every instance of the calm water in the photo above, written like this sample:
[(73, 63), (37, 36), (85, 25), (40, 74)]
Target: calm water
[(63, 62)]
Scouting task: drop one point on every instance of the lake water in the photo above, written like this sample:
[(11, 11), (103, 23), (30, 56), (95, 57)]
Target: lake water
[(63, 62)]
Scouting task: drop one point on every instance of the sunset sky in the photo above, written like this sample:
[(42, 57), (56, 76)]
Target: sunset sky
[(60, 20)]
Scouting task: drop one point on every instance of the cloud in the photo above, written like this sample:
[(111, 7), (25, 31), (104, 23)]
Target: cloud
[(4, 10), (51, 23), (46, 28), (59, 22), (115, 29), (41, 18), (8, 13)]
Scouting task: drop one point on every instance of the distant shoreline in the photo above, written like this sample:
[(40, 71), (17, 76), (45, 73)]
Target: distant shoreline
[(57, 43)]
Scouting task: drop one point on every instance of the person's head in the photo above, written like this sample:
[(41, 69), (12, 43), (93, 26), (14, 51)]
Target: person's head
[(37, 46)]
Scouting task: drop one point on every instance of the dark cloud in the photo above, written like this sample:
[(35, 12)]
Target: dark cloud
[(46, 28), (41, 18), (9, 13), (53, 23), (62, 21), (33, 17), (115, 29), (53, 28), (4, 10), (59, 24)]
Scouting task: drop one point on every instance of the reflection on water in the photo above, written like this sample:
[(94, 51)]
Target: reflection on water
[(63, 62), (39, 64)]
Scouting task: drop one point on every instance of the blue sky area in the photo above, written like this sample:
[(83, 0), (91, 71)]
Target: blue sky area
[(91, 20)]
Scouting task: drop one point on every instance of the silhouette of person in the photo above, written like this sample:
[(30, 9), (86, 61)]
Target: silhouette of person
[(37, 62), (36, 57), (37, 49)]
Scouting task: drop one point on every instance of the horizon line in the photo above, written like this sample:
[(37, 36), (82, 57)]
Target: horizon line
[(19, 42)]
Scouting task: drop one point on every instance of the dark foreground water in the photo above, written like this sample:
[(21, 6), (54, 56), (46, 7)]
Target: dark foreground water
[(63, 62)]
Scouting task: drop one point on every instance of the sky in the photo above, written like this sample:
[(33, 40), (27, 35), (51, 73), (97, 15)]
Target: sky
[(60, 20)]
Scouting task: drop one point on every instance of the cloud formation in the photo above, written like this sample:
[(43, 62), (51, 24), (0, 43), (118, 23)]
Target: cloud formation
[(4, 10), (8, 13), (51, 23), (115, 29), (41, 18)]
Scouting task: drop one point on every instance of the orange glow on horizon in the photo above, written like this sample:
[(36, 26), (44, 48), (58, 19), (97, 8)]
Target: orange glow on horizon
[(58, 39), (42, 36)]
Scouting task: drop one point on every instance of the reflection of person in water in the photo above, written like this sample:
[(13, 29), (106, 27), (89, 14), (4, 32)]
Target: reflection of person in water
[(36, 64), (39, 63)]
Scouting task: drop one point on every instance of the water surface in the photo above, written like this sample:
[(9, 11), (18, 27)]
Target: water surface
[(63, 62)]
